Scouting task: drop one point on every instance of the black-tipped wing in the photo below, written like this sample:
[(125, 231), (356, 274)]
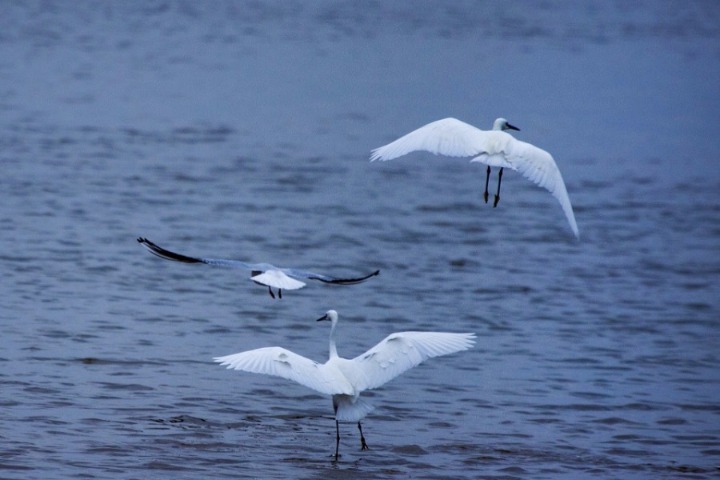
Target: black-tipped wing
[(166, 254), (327, 278), (177, 257)]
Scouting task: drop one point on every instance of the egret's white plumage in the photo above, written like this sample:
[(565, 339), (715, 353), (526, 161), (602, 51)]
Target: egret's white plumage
[(261, 273), (495, 148), (344, 378)]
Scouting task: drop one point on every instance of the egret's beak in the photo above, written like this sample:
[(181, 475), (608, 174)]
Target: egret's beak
[(511, 127), (324, 317)]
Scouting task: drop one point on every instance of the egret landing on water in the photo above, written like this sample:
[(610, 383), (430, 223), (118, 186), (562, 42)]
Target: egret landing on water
[(260, 273), (344, 378), (494, 148)]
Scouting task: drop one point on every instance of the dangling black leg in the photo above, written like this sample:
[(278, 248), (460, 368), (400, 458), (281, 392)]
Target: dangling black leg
[(487, 179), (337, 439), (363, 445), (497, 194), (271, 292), (280, 292)]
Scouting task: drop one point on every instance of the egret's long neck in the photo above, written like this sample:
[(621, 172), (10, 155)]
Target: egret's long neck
[(333, 348)]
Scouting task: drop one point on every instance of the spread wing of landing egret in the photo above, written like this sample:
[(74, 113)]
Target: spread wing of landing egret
[(495, 148), (260, 273), (345, 378)]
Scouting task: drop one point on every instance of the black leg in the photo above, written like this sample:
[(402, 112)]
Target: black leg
[(363, 445), (337, 439), (497, 194), (487, 179), (271, 292), (280, 292)]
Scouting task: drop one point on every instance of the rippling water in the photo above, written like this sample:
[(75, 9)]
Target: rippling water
[(243, 130)]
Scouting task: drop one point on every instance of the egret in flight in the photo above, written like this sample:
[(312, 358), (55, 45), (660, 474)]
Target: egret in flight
[(494, 148), (345, 378), (260, 273)]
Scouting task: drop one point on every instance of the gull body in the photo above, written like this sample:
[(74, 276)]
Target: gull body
[(495, 148), (344, 378), (260, 273)]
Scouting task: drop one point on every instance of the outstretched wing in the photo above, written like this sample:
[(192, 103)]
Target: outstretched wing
[(539, 167), (327, 278), (400, 352), (177, 257), (448, 136), (280, 362)]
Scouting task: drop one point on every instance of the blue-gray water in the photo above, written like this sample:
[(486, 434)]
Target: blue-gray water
[(243, 130)]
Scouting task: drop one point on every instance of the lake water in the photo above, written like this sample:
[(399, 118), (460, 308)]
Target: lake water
[(243, 130)]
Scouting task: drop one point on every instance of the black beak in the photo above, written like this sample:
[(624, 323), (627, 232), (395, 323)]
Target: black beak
[(511, 127), (324, 317)]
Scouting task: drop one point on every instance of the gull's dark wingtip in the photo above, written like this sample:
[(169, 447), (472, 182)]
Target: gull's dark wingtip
[(148, 244), (144, 241), (167, 254), (353, 281)]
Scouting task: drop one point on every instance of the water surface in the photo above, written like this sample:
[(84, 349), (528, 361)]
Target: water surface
[(243, 130)]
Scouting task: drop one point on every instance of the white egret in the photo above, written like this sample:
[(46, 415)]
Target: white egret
[(494, 148), (260, 273), (344, 378)]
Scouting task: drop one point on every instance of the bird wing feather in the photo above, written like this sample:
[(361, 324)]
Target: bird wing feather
[(178, 257), (401, 351), (327, 278), (449, 136), (539, 167), (280, 362)]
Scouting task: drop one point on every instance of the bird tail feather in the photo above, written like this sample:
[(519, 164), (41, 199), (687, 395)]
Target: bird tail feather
[(350, 409)]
